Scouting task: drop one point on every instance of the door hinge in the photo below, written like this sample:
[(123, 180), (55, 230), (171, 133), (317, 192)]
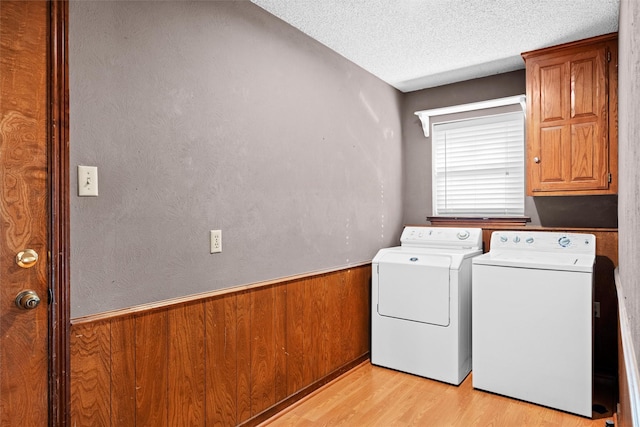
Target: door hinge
[(609, 178), (608, 56)]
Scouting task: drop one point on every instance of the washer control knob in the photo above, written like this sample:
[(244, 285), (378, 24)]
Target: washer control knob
[(503, 239), (516, 239), (564, 241), (529, 240)]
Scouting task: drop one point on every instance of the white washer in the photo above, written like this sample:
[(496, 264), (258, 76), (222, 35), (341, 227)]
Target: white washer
[(421, 303), (532, 318)]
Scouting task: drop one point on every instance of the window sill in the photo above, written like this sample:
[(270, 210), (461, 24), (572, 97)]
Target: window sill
[(478, 222)]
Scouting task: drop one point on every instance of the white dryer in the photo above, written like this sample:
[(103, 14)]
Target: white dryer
[(532, 318), (421, 303)]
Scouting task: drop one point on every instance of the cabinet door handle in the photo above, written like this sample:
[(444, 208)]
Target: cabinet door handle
[(536, 159)]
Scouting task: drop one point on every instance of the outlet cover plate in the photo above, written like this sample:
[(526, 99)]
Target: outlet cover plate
[(216, 241)]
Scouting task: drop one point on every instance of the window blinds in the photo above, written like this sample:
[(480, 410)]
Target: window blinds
[(478, 166)]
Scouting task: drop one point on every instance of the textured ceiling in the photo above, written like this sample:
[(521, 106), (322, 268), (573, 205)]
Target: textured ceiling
[(415, 44)]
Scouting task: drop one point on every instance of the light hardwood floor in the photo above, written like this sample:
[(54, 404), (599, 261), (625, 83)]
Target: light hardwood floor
[(373, 396)]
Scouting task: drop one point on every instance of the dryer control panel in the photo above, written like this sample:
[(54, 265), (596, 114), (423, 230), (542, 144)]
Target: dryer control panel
[(444, 237)]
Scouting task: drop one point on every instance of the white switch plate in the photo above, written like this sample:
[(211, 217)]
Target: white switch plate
[(87, 181), (216, 241)]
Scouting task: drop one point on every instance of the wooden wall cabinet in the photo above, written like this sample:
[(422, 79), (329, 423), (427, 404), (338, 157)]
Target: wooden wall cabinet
[(572, 118)]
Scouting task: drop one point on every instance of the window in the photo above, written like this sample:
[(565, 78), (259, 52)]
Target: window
[(478, 166)]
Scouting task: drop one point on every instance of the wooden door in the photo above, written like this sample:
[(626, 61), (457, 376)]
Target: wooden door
[(24, 207)]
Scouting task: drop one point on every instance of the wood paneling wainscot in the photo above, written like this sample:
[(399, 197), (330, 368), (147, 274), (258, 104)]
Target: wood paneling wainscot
[(235, 357)]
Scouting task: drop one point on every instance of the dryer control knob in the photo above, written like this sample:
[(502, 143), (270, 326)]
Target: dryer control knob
[(462, 235), (503, 239), (516, 239), (564, 241)]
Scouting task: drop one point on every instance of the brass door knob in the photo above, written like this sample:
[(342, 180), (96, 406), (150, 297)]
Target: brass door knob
[(27, 300), (27, 258)]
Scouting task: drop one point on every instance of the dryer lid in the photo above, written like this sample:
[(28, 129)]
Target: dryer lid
[(403, 255), (414, 287)]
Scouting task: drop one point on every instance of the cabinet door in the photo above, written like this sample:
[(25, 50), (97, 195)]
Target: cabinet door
[(567, 132)]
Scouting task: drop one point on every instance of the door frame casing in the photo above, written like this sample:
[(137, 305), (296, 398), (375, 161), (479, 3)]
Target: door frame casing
[(59, 193)]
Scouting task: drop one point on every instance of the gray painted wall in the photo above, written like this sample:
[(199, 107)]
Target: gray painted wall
[(629, 136), (216, 115)]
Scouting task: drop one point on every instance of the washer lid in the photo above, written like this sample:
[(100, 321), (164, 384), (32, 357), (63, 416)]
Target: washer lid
[(538, 260), (545, 250)]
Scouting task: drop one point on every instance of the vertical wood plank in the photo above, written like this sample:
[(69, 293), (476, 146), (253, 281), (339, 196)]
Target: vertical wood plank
[(295, 336), (152, 400), (186, 365), (262, 349), (123, 380), (314, 331), (221, 369), (320, 315), (356, 313), (243, 356), (90, 374), (351, 318), (311, 347), (336, 321), (362, 335), (280, 324)]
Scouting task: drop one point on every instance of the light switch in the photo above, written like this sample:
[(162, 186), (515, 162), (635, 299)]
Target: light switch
[(87, 181)]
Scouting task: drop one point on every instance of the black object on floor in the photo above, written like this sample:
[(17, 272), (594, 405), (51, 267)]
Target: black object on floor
[(599, 409)]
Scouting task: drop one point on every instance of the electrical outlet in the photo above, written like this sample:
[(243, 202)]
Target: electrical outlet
[(216, 241), (596, 309)]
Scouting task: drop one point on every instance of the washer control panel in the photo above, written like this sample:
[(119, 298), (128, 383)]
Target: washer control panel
[(544, 241)]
